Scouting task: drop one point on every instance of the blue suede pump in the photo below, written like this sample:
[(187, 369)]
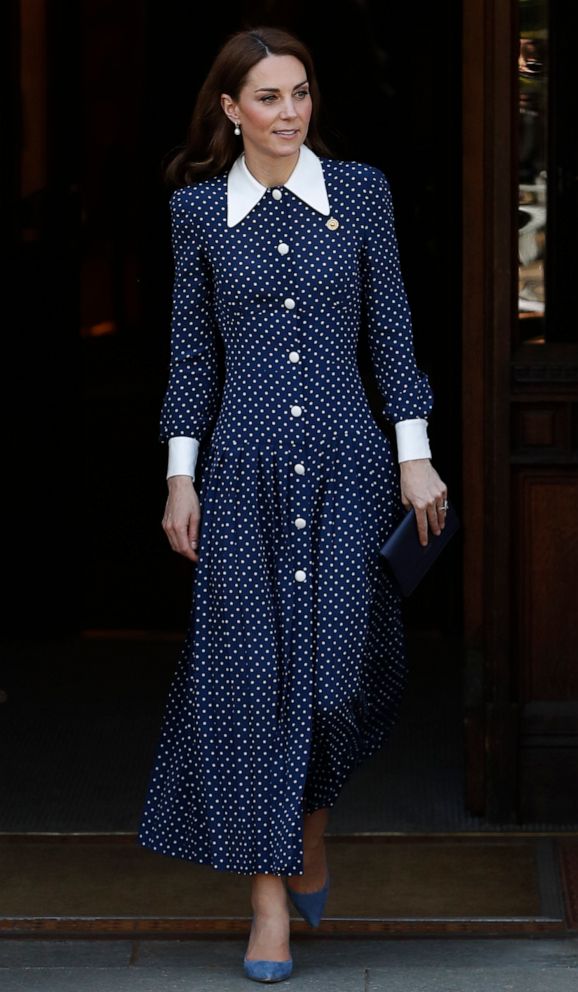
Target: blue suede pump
[(310, 904), (268, 971)]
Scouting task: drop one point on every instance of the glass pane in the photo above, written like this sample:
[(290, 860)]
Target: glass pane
[(532, 176)]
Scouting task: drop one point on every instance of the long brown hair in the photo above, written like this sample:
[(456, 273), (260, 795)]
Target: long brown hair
[(211, 145)]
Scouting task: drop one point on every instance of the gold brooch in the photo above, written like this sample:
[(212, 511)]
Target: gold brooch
[(332, 223)]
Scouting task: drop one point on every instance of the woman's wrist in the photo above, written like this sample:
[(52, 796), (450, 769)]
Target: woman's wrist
[(173, 481), (415, 461)]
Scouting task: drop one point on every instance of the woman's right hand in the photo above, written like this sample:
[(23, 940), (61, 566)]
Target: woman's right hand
[(182, 514)]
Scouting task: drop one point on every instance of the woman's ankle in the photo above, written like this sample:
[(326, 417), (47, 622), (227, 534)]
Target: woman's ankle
[(268, 896), (315, 825), (315, 869)]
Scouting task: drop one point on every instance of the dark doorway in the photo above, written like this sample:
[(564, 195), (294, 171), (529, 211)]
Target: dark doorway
[(97, 232), (390, 81)]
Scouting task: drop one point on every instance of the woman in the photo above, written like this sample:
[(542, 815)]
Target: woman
[(293, 664)]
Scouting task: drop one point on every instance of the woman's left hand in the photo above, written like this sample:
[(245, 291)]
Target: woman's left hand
[(422, 488)]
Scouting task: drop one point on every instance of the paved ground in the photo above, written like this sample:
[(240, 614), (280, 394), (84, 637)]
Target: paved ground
[(538, 964)]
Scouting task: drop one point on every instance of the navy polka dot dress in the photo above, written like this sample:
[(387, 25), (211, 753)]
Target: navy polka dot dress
[(293, 664)]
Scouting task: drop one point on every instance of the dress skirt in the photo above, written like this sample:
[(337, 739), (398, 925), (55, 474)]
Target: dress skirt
[(293, 665)]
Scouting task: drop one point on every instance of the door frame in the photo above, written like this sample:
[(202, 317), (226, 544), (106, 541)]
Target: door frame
[(489, 274)]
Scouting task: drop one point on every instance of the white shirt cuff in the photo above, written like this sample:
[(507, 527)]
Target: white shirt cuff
[(412, 439), (183, 453)]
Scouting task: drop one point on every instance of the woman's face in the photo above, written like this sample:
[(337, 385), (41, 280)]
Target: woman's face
[(274, 99)]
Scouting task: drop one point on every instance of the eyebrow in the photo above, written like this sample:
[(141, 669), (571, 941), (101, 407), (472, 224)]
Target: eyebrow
[(275, 89)]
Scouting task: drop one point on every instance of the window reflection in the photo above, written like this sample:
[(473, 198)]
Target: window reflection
[(532, 177)]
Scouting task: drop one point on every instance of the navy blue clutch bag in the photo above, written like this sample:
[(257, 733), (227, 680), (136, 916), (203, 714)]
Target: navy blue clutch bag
[(407, 559)]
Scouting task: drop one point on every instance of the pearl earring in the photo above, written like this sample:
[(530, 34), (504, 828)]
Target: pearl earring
[(237, 128)]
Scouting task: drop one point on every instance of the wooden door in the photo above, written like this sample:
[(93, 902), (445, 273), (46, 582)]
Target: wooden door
[(520, 434)]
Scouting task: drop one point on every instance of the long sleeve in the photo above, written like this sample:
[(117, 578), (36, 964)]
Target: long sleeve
[(405, 389), (192, 395)]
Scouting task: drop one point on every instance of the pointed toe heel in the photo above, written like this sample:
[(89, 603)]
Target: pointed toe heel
[(310, 904), (268, 971)]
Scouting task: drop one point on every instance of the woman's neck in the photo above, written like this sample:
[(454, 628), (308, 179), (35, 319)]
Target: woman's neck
[(271, 172)]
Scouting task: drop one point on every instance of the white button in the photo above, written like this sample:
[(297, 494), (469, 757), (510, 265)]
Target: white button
[(300, 468), (282, 249), (296, 411), (289, 303), (300, 575), (300, 522), (277, 194), (293, 356)]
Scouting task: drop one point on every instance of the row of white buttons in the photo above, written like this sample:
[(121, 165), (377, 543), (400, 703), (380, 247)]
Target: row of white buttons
[(300, 522)]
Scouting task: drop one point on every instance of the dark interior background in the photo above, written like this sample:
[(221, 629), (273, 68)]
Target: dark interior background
[(95, 602), (84, 544)]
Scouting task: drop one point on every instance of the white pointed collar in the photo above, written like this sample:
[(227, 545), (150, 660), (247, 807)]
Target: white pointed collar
[(306, 181)]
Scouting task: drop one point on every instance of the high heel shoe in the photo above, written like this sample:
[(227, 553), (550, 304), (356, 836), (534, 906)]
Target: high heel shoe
[(267, 971), (310, 904)]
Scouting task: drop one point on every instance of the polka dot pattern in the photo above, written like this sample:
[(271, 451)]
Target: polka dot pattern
[(294, 664)]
